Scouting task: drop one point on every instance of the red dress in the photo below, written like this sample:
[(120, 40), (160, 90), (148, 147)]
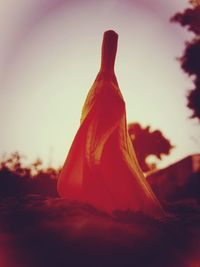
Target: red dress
[(101, 167)]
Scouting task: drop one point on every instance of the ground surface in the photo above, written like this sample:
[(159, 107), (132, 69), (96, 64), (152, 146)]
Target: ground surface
[(39, 232)]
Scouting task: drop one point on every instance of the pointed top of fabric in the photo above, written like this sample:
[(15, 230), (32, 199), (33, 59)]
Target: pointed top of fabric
[(109, 50)]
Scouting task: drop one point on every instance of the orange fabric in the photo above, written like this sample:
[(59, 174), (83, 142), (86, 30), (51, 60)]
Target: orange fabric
[(101, 168)]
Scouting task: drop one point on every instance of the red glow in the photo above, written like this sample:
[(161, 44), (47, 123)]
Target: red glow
[(101, 167)]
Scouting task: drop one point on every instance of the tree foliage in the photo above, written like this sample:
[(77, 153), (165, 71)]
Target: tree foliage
[(190, 60), (17, 179), (148, 143)]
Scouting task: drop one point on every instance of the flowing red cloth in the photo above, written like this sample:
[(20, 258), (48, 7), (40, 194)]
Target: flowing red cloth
[(101, 167)]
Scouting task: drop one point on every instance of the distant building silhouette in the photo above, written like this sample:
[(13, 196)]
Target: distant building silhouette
[(168, 181)]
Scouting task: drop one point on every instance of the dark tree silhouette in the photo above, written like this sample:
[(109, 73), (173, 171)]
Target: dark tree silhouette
[(147, 143), (190, 60), (17, 179)]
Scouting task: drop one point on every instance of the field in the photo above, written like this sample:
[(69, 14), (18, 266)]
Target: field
[(39, 231)]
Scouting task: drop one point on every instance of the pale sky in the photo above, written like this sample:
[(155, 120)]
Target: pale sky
[(50, 55)]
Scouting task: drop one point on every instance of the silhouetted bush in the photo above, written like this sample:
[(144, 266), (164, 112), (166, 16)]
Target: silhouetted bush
[(15, 179)]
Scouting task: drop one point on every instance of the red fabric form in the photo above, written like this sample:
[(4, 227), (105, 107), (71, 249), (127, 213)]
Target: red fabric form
[(101, 167)]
